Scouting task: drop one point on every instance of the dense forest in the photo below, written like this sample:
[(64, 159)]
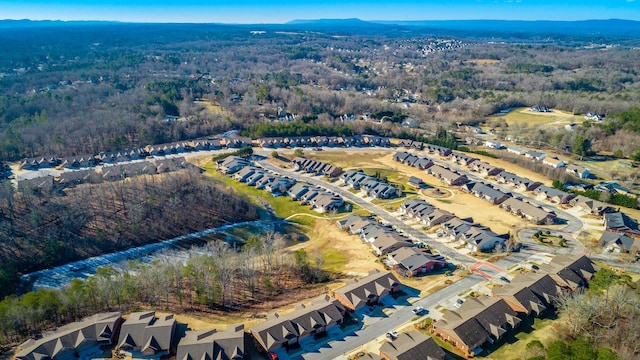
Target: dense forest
[(117, 86), (41, 230)]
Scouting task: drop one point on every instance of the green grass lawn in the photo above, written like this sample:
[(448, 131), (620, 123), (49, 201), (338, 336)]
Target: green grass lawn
[(283, 206), (513, 347)]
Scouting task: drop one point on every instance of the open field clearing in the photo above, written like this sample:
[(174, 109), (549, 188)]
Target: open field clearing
[(482, 61), (214, 108), (531, 118)]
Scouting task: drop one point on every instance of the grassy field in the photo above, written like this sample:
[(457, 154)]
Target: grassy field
[(283, 206), (514, 346), (216, 109), (524, 116)]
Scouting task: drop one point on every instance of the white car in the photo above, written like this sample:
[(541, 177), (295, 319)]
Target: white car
[(420, 310), (392, 334)]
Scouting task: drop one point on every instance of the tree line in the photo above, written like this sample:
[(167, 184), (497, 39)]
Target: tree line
[(218, 278), (43, 230)]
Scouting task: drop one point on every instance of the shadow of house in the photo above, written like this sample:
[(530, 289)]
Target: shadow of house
[(43, 184)]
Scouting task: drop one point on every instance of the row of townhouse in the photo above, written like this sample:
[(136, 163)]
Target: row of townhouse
[(116, 172), (319, 199), (572, 169), (475, 236), (622, 233), (144, 335), (282, 334), (264, 180), (488, 192), (319, 141), (315, 167), (147, 335), (369, 185), (488, 319), (397, 250)]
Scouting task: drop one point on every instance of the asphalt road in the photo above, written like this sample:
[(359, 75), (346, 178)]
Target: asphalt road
[(399, 225)]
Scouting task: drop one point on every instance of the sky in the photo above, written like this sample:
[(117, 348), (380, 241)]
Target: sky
[(281, 11)]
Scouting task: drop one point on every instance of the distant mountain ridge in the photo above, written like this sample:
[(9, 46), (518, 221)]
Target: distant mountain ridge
[(500, 30)]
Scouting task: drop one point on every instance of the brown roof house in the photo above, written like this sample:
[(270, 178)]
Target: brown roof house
[(144, 335), (412, 345), (80, 339), (283, 331), (411, 261), (368, 291), (212, 344), (571, 272), (476, 322), (529, 294), (447, 176), (594, 207), (533, 213)]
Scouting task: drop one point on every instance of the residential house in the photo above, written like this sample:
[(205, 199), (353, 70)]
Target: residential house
[(423, 163), (440, 150), (145, 335), (43, 184), (461, 158), (446, 175), (516, 181), (73, 178), (482, 239), (257, 176), (554, 195), (478, 321), (531, 212), (327, 202), (409, 207), (436, 217), (516, 150), (492, 144), (243, 174), (215, 144), (346, 223), (213, 344), (484, 168), (412, 261), (571, 272), (237, 142), (620, 242), (412, 345), (170, 164), (621, 223), (535, 155), (379, 190), (416, 182), (232, 164), (297, 190), (594, 207), (387, 242), (80, 339), (578, 171), (553, 162), (612, 187), (279, 185), (368, 291), (529, 294), (486, 192), (400, 156), (286, 330)]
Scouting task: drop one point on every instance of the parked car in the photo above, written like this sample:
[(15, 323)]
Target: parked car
[(392, 334), (535, 267), (505, 279), (458, 303), (420, 310), (273, 356)]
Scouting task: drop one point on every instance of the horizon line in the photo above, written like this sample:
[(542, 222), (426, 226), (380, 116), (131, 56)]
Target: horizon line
[(312, 20)]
